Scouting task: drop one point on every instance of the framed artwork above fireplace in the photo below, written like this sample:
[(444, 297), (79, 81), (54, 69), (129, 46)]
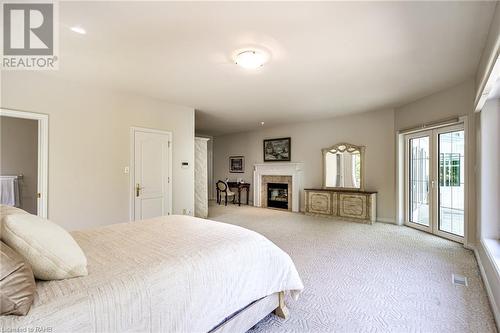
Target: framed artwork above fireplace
[(277, 150)]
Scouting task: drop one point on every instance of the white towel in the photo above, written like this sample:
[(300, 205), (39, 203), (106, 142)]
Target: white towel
[(9, 191)]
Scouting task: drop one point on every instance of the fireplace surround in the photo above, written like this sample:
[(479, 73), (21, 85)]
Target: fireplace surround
[(287, 173), (271, 186)]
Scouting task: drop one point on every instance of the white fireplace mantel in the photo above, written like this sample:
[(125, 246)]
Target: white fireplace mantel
[(278, 169)]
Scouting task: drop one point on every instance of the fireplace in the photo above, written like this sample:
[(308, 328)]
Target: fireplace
[(280, 173), (276, 192), (277, 195)]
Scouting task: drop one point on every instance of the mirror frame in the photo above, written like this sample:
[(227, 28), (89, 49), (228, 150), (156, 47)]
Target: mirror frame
[(348, 147)]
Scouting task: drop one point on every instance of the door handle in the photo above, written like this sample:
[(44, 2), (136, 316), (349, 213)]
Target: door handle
[(138, 189)]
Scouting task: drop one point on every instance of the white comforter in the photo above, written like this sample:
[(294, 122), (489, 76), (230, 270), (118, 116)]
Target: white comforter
[(168, 274)]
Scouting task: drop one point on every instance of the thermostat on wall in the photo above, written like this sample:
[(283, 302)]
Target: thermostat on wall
[(185, 164)]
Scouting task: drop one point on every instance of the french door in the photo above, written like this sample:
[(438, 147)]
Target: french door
[(435, 181)]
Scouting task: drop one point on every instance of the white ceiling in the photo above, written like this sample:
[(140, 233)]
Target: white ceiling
[(328, 58)]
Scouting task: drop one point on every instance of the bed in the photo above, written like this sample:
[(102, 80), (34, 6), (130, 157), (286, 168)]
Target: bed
[(167, 274)]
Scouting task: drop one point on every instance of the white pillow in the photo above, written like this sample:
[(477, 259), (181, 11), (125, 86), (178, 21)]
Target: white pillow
[(50, 250), (9, 210)]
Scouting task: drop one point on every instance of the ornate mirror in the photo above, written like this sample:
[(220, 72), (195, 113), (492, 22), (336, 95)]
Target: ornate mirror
[(343, 167)]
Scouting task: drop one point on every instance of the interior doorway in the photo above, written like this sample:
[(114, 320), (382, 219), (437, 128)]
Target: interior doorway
[(435, 181), (24, 161)]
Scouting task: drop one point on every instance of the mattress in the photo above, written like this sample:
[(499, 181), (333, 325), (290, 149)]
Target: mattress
[(169, 274)]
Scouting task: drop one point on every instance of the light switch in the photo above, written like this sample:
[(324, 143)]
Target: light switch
[(126, 170)]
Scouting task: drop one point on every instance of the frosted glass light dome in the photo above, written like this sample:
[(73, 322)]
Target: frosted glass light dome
[(251, 59)]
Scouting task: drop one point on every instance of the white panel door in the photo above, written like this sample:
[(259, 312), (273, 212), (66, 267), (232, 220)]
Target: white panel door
[(151, 175)]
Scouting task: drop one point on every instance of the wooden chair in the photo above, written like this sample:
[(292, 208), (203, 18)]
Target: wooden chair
[(223, 189)]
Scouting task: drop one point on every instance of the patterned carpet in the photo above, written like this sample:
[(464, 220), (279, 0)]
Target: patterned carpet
[(362, 278)]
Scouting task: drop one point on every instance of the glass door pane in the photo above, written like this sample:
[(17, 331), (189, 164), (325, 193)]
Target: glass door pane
[(451, 182), (419, 177)]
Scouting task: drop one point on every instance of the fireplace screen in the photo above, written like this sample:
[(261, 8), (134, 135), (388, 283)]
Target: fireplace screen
[(277, 195)]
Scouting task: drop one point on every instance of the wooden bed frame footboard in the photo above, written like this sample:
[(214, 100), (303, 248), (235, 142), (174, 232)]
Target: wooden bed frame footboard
[(281, 311), (255, 312)]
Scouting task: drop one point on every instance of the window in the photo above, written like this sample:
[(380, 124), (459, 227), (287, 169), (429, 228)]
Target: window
[(449, 169)]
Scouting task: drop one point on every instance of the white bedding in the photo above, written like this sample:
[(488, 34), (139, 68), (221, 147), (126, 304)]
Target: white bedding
[(168, 274)]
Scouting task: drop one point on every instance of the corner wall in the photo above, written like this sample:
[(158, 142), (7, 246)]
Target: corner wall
[(89, 145), (452, 102)]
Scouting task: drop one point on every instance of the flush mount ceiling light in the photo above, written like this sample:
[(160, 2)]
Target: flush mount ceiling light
[(78, 30), (251, 59)]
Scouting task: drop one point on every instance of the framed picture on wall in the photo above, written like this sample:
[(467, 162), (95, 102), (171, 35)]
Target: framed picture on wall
[(276, 150), (236, 164)]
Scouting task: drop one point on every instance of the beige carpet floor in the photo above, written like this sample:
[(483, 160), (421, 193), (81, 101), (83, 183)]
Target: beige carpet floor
[(369, 278)]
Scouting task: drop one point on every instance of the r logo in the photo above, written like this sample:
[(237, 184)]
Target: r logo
[(28, 29)]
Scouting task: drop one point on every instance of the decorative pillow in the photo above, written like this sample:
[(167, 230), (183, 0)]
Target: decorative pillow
[(9, 210), (50, 250), (17, 283)]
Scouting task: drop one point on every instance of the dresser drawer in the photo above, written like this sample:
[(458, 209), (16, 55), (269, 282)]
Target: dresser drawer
[(354, 206), (319, 203)]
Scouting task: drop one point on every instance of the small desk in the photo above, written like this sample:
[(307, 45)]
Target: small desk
[(240, 186)]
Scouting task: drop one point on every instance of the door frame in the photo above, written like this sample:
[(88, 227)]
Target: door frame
[(134, 130), (407, 138), (461, 123), (436, 231), (43, 154)]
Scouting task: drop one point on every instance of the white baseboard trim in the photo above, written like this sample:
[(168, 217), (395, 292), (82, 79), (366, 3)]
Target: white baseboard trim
[(491, 298), (470, 247), (386, 220)]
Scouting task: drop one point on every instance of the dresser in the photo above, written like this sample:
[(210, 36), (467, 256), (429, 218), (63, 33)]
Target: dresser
[(358, 206)]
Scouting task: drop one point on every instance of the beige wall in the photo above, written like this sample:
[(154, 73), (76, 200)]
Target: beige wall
[(451, 102), (375, 130), (89, 145), (19, 155)]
